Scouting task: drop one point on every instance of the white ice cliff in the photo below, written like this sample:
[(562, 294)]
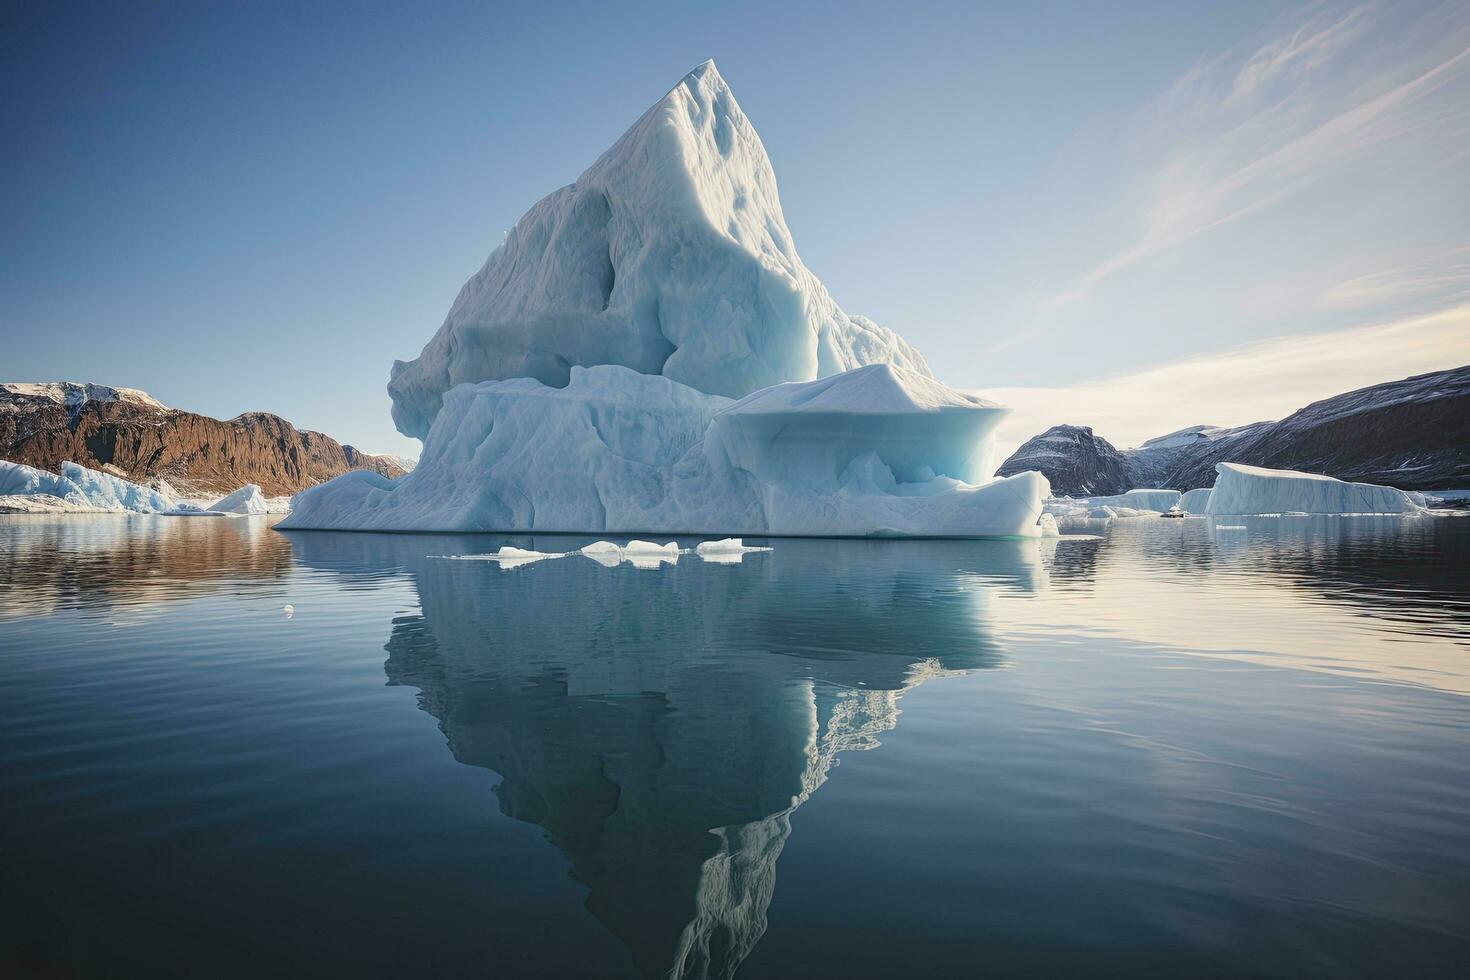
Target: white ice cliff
[(82, 488), (583, 380), (1241, 489)]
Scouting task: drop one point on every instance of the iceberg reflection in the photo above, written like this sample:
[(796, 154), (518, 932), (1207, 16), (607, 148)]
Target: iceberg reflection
[(662, 730)]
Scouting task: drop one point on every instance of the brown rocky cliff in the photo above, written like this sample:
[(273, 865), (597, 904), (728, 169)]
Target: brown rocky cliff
[(194, 453)]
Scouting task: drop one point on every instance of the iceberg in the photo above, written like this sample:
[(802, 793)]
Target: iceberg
[(1241, 489), (108, 492), (619, 451), (246, 500), (670, 255), (17, 479), (1196, 501), (1157, 501), (79, 488), (586, 378)]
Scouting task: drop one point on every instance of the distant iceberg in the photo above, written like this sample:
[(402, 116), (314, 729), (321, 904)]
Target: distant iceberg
[(246, 500), (1196, 501), (80, 488), (584, 380), (1241, 489)]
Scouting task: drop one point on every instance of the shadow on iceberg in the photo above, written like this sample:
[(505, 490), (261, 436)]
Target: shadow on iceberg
[(663, 728)]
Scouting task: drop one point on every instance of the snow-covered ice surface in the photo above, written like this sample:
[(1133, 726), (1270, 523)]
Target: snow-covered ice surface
[(246, 500), (620, 451), (669, 255), (1241, 489)]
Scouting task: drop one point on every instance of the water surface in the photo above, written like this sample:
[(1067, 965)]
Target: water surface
[(1172, 750)]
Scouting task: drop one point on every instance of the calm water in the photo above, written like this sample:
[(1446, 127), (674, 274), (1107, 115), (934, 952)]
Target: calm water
[(1173, 750)]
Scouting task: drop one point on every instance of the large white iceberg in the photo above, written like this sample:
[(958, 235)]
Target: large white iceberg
[(1241, 489), (583, 380), (619, 451), (669, 255)]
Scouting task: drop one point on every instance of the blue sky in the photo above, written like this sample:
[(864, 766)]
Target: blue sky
[(1137, 216)]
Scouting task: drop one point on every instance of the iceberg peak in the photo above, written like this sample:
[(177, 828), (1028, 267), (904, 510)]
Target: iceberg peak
[(670, 255)]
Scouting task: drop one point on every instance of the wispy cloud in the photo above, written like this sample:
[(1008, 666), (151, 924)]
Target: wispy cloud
[(1442, 275), (1245, 131)]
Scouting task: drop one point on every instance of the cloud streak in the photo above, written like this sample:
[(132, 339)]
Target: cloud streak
[(1242, 133)]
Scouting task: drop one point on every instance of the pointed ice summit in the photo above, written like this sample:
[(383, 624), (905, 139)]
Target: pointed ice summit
[(669, 255), (585, 378)]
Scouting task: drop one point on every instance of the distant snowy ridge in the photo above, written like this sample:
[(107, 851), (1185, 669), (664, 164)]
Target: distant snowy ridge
[(73, 394), (669, 255)]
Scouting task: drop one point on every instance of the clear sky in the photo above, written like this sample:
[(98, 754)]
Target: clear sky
[(1135, 215)]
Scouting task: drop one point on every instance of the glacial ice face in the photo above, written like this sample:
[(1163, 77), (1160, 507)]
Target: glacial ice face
[(1196, 501), (810, 433), (86, 488), (20, 480), (1241, 489), (109, 492), (620, 451), (669, 255)]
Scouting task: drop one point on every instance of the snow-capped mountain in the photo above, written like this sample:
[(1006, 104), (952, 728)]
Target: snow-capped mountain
[(1412, 434), (128, 433)]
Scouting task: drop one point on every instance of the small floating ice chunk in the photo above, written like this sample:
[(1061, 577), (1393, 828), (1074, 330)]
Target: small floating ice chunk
[(289, 610), (637, 547), (725, 551), (508, 557), (722, 546), (647, 554)]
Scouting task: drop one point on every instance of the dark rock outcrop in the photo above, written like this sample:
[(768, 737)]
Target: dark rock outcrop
[(1412, 434), (1075, 461), (130, 435)]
